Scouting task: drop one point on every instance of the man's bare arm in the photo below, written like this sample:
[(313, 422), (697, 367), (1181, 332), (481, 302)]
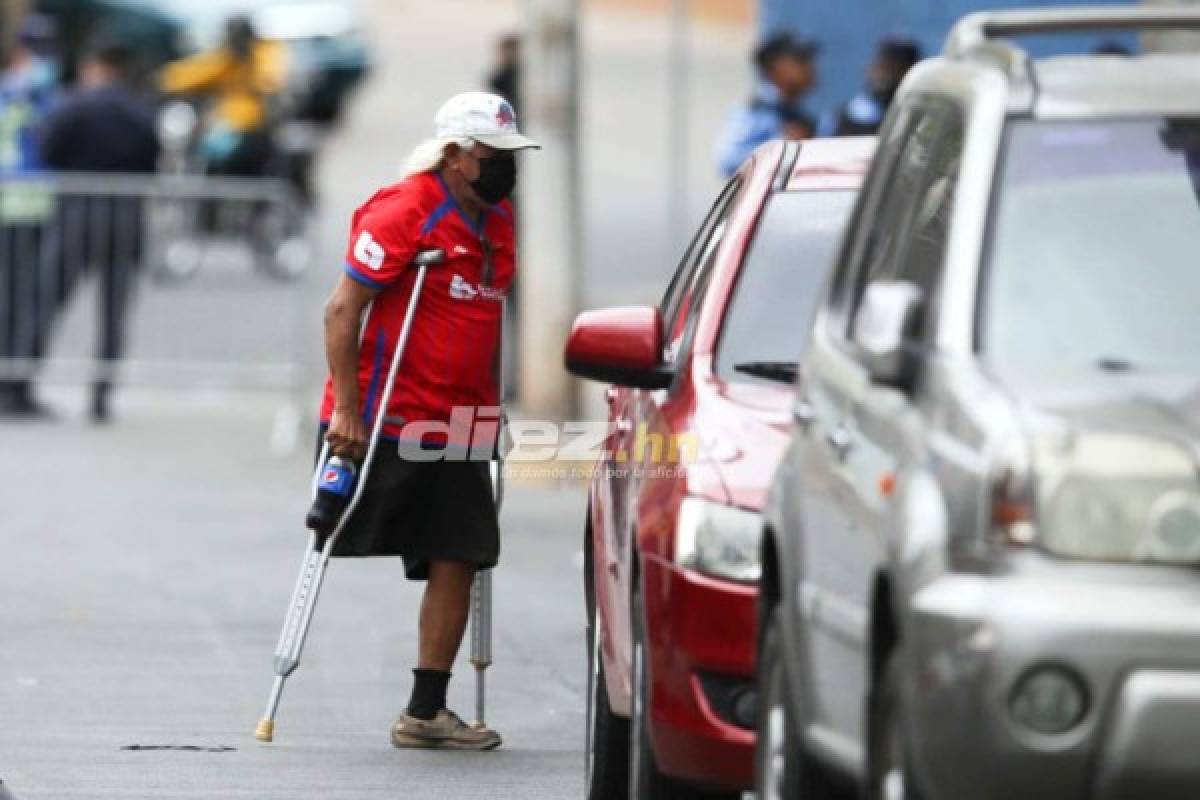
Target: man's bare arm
[(347, 435)]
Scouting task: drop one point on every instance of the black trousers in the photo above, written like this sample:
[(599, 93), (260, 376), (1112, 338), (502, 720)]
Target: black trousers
[(23, 309), (91, 235)]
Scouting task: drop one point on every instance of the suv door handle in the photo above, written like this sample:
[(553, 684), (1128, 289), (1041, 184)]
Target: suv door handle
[(840, 442), (803, 413)]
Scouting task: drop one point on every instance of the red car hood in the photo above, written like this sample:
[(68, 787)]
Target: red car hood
[(742, 431)]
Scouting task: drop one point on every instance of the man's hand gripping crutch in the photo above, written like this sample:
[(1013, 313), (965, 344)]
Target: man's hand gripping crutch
[(316, 556)]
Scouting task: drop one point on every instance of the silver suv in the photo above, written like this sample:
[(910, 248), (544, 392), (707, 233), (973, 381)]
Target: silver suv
[(981, 550)]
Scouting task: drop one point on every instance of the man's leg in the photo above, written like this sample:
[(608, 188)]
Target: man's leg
[(115, 291), (445, 609)]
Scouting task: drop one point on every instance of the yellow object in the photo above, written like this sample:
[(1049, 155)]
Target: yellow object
[(265, 731), (241, 88)]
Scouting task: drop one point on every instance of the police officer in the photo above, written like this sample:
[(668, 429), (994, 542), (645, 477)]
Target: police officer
[(863, 115), (787, 72), (429, 495)]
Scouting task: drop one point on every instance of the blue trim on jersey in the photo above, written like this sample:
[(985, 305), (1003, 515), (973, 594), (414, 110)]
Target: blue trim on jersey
[(436, 217), (476, 226), (353, 272), (376, 374), (499, 209)]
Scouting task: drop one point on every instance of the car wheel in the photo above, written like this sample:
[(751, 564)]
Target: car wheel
[(645, 780), (607, 750), (888, 774), (782, 770)]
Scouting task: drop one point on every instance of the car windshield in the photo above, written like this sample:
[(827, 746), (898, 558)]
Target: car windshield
[(1095, 246), (766, 325)]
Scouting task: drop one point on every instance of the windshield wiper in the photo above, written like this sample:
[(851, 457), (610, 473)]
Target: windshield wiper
[(781, 371)]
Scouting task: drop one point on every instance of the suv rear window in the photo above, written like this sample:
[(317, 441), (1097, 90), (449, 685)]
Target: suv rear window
[(766, 325), (1093, 254)]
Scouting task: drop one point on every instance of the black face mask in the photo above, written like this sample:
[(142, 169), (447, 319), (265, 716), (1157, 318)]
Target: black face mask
[(497, 178)]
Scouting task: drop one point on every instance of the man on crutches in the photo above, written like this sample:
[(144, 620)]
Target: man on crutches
[(428, 495)]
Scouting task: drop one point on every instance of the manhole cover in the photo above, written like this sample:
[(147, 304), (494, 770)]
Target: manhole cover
[(182, 748)]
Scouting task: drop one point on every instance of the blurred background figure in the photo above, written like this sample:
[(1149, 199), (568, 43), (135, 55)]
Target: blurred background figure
[(787, 72), (27, 87), (863, 115), (244, 77), (104, 127), (505, 78), (1112, 48)]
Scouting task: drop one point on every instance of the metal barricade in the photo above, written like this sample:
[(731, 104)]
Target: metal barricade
[(162, 281)]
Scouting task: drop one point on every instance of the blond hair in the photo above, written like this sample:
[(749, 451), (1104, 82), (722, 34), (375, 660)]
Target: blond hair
[(431, 154)]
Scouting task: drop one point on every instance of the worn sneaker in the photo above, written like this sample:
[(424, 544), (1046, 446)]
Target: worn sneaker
[(445, 731)]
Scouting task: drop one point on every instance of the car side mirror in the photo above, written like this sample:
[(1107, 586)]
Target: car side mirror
[(885, 329), (619, 345)]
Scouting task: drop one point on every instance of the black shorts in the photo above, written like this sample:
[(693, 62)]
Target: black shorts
[(424, 511)]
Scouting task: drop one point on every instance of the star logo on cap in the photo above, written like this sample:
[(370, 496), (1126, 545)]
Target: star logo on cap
[(505, 116)]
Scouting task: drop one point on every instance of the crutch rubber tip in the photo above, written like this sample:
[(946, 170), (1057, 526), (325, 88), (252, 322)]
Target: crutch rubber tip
[(265, 731)]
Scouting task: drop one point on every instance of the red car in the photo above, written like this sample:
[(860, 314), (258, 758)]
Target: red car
[(699, 416)]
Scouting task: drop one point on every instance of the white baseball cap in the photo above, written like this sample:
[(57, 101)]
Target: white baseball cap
[(487, 118)]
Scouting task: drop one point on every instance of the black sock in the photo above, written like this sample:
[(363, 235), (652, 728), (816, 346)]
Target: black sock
[(429, 693)]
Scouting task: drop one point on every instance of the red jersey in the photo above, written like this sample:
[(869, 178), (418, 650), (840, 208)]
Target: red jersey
[(454, 345)]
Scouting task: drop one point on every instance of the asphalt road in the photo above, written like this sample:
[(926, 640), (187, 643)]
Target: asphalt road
[(145, 575)]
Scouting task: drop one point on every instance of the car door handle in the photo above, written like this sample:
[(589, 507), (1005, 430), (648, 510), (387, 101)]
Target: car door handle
[(840, 442), (803, 413)]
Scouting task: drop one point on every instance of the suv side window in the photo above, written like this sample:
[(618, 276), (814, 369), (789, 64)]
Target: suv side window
[(891, 142), (926, 241), (887, 237), (914, 221)]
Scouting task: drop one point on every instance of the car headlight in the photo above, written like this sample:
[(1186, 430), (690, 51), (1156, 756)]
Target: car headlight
[(718, 540), (1118, 497)]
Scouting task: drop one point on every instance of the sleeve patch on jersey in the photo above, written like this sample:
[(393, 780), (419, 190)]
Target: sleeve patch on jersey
[(369, 252), (363, 279)]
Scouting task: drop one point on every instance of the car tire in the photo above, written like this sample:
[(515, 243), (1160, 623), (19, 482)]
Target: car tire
[(889, 776), (646, 782), (606, 754), (607, 750), (783, 771)]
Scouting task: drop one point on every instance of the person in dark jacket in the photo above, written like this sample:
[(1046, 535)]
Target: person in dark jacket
[(863, 115), (104, 127)]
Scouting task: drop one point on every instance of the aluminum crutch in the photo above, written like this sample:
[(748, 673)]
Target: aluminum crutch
[(316, 557), (481, 589)]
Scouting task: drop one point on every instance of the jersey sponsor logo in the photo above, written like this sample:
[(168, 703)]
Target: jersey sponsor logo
[(460, 289), (459, 250), (369, 252)]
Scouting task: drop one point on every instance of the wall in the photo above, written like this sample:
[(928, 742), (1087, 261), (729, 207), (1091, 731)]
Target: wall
[(738, 12)]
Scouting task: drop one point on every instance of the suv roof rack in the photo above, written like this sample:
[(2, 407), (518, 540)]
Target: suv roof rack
[(974, 31)]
